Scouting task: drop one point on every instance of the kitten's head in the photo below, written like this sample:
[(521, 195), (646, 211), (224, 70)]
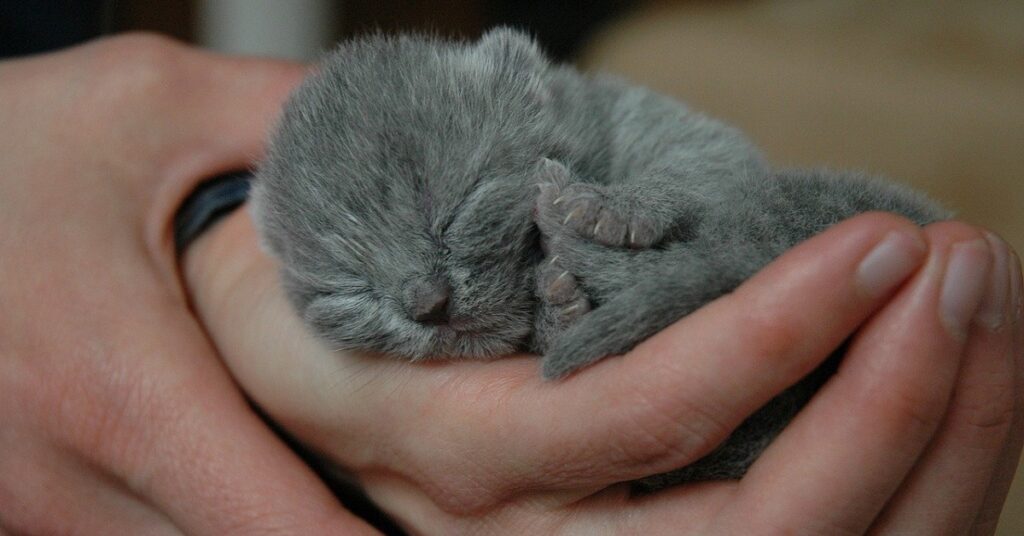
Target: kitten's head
[(398, 189)]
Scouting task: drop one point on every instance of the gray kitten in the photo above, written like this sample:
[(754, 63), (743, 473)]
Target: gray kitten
[(429, 198)]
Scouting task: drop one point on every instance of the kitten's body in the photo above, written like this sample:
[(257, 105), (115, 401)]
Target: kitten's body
[(436, 199)]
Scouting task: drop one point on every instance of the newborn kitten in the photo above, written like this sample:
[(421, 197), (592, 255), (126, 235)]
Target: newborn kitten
[(429, 198)]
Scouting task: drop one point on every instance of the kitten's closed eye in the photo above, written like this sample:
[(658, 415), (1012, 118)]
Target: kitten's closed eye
[(332, 281)]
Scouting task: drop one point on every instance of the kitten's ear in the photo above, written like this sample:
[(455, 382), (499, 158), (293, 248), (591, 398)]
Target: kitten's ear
[(512, 47), (517, 56)]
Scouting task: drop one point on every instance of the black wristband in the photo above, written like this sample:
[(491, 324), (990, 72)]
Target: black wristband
[(209, 202)]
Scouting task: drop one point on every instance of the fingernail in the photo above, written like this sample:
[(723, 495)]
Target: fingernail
[(992, 311), (963, 285), (889, 263)]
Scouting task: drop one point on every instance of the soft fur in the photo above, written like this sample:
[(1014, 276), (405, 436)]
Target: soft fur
[(438, 199)]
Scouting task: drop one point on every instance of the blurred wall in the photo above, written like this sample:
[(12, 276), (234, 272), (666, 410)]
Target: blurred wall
[(296, 29)]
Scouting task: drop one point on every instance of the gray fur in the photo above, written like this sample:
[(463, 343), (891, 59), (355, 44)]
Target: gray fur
[(430, 198)]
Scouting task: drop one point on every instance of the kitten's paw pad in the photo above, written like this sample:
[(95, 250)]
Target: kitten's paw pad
[(569, 313), (635, 232), (557, 286), (592, 214), (560, 292)]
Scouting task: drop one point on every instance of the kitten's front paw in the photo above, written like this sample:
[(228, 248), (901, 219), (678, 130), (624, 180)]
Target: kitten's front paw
[(561, 303), (591, 211), (560, 292), (561, 299)]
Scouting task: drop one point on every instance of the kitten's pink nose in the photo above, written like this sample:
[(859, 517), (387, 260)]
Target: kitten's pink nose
[(428, 300)]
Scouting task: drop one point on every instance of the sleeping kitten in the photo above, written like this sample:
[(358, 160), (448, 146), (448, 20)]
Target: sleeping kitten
[(437, 199)]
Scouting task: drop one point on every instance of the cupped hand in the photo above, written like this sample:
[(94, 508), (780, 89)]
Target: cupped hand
[(918, 431), (116, 415)]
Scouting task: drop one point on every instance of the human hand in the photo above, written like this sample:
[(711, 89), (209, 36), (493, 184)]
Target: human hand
[(918, 432), (116, 416)]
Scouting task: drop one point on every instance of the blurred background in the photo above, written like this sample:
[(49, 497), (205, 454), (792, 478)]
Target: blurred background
[(929, 92)]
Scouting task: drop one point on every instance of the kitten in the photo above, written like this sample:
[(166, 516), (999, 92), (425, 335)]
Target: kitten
[(437, 199)]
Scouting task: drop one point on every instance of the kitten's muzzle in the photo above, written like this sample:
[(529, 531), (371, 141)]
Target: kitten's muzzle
[(428, 299)]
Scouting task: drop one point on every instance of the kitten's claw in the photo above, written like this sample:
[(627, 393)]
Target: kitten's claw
[(569, 216), (562, 300), (592, 213), (562, 286), (642, 234), (556, 285), (553, 172)]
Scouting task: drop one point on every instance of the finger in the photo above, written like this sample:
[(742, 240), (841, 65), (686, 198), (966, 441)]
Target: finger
[(680, 393), (253, 483), (943, 493), (1006, 467), (235, 290), (677, 510), (45, 491), (833, 469), (191, 445), (613, 510)]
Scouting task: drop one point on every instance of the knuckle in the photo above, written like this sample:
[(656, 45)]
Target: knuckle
[(662, 433), (947, 232), (915, 412), (988, 411), (884, 220), (135, 66), (775, 339), (140, 47)]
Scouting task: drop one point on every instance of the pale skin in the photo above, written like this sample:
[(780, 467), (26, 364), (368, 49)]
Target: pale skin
[(117, 396), (116, 415)]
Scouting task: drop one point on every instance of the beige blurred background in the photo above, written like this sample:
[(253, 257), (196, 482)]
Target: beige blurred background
[(930, 92)]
